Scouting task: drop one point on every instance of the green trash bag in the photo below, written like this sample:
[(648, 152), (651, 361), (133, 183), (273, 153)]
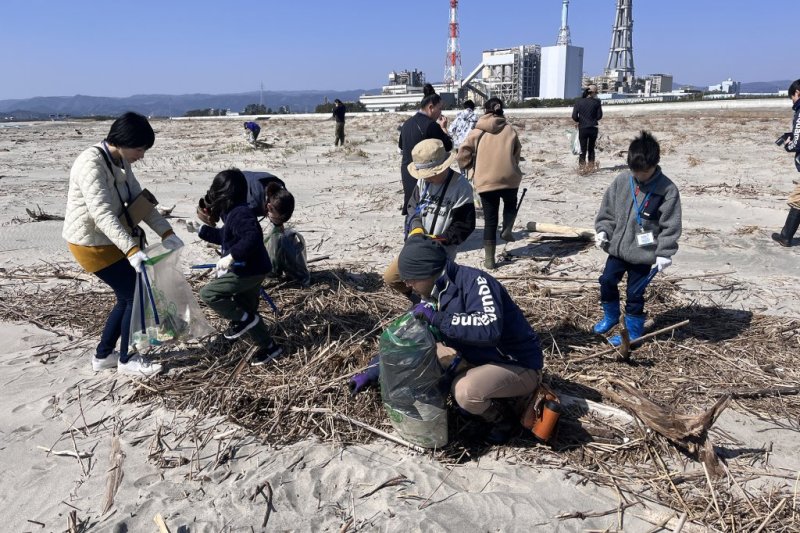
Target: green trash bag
[(409, 376)]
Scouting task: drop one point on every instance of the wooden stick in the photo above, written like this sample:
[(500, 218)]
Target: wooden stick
[(681, 521), (632, 343), (770, 515), (66, 453), (162, 526), (544, 227)]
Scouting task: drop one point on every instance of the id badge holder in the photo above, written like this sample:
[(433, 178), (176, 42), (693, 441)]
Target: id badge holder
[(644, 238)]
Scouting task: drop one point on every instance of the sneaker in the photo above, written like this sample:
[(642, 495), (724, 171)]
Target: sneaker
[(102, 363), (138, 366), (265, 355), (239, 327)]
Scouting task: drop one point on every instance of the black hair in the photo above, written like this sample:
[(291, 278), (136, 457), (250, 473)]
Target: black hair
[(281, 200), (586, 92), (228, 189), (431, 99), (794, 87), (428, 90), (131, 130), (337, 101), (494, 106), (469, 104), (644, 152)]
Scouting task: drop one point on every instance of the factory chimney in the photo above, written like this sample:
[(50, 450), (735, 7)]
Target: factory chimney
[(452, 65), (563, 34)]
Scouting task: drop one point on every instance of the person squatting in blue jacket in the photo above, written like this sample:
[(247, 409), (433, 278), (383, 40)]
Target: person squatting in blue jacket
[(500, 351), (234, 294)]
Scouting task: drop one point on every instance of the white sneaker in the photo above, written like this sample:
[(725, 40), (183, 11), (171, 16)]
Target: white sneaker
[(138, 366), (109, 361)]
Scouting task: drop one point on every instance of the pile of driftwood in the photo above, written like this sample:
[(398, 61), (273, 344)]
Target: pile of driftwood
[(675, 384)]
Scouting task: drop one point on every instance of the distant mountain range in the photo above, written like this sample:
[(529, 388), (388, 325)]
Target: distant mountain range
[(42, 107), (163, 105)]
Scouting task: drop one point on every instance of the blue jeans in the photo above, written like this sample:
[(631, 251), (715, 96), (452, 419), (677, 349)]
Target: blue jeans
[(121, 277), (612, 275)]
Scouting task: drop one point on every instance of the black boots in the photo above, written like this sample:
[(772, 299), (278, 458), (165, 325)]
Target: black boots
[(508, 226), (488, 251), (784, 238)]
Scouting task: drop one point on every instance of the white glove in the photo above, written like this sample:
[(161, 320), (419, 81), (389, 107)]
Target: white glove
[(662, 263), (137, 259), (224, 264), (600, 239), (173, 242), (192, 227)]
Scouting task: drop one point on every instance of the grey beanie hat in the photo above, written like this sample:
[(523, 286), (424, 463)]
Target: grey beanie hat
[(421, 258)]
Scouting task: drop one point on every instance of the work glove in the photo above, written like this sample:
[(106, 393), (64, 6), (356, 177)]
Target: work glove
[(364, 379), (423, 311), (173, 242), (662, 263), (192, 227), (137, 260), (224, 264), (600, 238)]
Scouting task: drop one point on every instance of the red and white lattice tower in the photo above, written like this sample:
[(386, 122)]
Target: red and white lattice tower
[(452, 65)]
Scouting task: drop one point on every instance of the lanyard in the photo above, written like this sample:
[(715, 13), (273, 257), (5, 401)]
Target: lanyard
[(640, 208)]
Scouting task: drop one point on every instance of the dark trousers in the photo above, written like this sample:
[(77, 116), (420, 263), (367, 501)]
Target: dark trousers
[(339, 134), (231, 296), (588, 138), (121, 277), (491, 208), (612, 275), (409, 182)]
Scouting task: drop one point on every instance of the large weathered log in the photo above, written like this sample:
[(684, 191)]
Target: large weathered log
[(543, 227), (689, 432)]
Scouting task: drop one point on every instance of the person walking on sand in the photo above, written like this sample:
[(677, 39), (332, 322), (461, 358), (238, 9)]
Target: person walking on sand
[(463, 123), (427, 123), (638, 225), (492, 150), (101, 186), (338, 116), (791, 143), (587, 113)]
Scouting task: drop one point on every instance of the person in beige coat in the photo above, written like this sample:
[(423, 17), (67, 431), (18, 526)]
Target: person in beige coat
[(492, 150), (101, 184)]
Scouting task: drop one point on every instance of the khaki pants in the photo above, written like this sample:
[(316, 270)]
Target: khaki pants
[(475, 388), (392, 278), (339, 134), (794, 198)]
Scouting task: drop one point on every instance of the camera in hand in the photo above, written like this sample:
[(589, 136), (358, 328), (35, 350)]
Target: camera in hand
[(782, 139)]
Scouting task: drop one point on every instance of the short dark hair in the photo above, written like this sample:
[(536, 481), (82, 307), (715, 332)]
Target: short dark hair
[(281, 200), (131, 130), (228, 189), (586, 92), (644, 152), (428, 89), (337, 101), (794, 87), (431, 99), (494, 106), (469, 104)]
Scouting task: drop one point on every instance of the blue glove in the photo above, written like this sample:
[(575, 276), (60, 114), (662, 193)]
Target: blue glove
[(368, 377), (424, 311)]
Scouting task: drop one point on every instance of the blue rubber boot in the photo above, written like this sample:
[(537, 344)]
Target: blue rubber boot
[(610, 318), (635, 326)]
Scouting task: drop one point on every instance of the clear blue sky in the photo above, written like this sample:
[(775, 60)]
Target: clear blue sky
[(66, 47)]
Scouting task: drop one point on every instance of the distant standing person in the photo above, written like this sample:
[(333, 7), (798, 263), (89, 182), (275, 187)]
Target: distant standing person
[(338, 115), (463, 123), (791, 143), (101, 183), (252, 130), (493, 149), (427, 123), (587, 113)]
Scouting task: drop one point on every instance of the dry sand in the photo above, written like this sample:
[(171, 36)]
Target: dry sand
[(733, 183)]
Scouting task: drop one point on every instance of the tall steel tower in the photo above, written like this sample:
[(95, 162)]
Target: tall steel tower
[(620, 56), (563, 33), (452, 64)]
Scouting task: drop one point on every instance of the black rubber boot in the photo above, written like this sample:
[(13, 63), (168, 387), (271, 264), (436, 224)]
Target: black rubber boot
[(502, 426), (488, 251), (508, 226), (784, 238)]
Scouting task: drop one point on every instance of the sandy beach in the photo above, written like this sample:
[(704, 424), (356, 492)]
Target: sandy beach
[(203, 473)]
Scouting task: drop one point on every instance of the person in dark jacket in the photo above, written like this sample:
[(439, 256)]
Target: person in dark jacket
[(234, 294), (427, 123), (252, 130), (338, 116), (586, 114), (791, 143)]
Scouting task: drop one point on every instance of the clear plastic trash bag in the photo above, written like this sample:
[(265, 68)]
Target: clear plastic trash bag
[(574, 141), (287, 253), (409, 376), (167, 310)]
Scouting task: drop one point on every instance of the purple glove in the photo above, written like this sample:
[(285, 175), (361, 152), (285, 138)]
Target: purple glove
[(424, 311), (366, 378)]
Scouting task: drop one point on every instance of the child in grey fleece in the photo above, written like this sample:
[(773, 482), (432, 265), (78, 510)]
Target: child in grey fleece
[(638, 224)]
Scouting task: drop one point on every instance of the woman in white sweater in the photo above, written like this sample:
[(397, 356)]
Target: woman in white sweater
[(101, 185)]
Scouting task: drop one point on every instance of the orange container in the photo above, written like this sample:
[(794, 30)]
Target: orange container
[(545, 424)]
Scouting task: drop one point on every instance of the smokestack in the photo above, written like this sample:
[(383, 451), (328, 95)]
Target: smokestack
[(563, 34)]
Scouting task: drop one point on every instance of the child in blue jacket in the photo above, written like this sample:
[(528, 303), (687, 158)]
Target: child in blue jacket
[(234, 294)]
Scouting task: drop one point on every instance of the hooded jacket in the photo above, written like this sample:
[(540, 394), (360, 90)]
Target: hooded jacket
[(257, 183), (478, 318), (793, 144), (492, 149), (617, 217), (242, 237)]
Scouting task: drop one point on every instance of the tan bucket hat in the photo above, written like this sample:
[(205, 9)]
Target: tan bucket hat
[(429, 158)]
